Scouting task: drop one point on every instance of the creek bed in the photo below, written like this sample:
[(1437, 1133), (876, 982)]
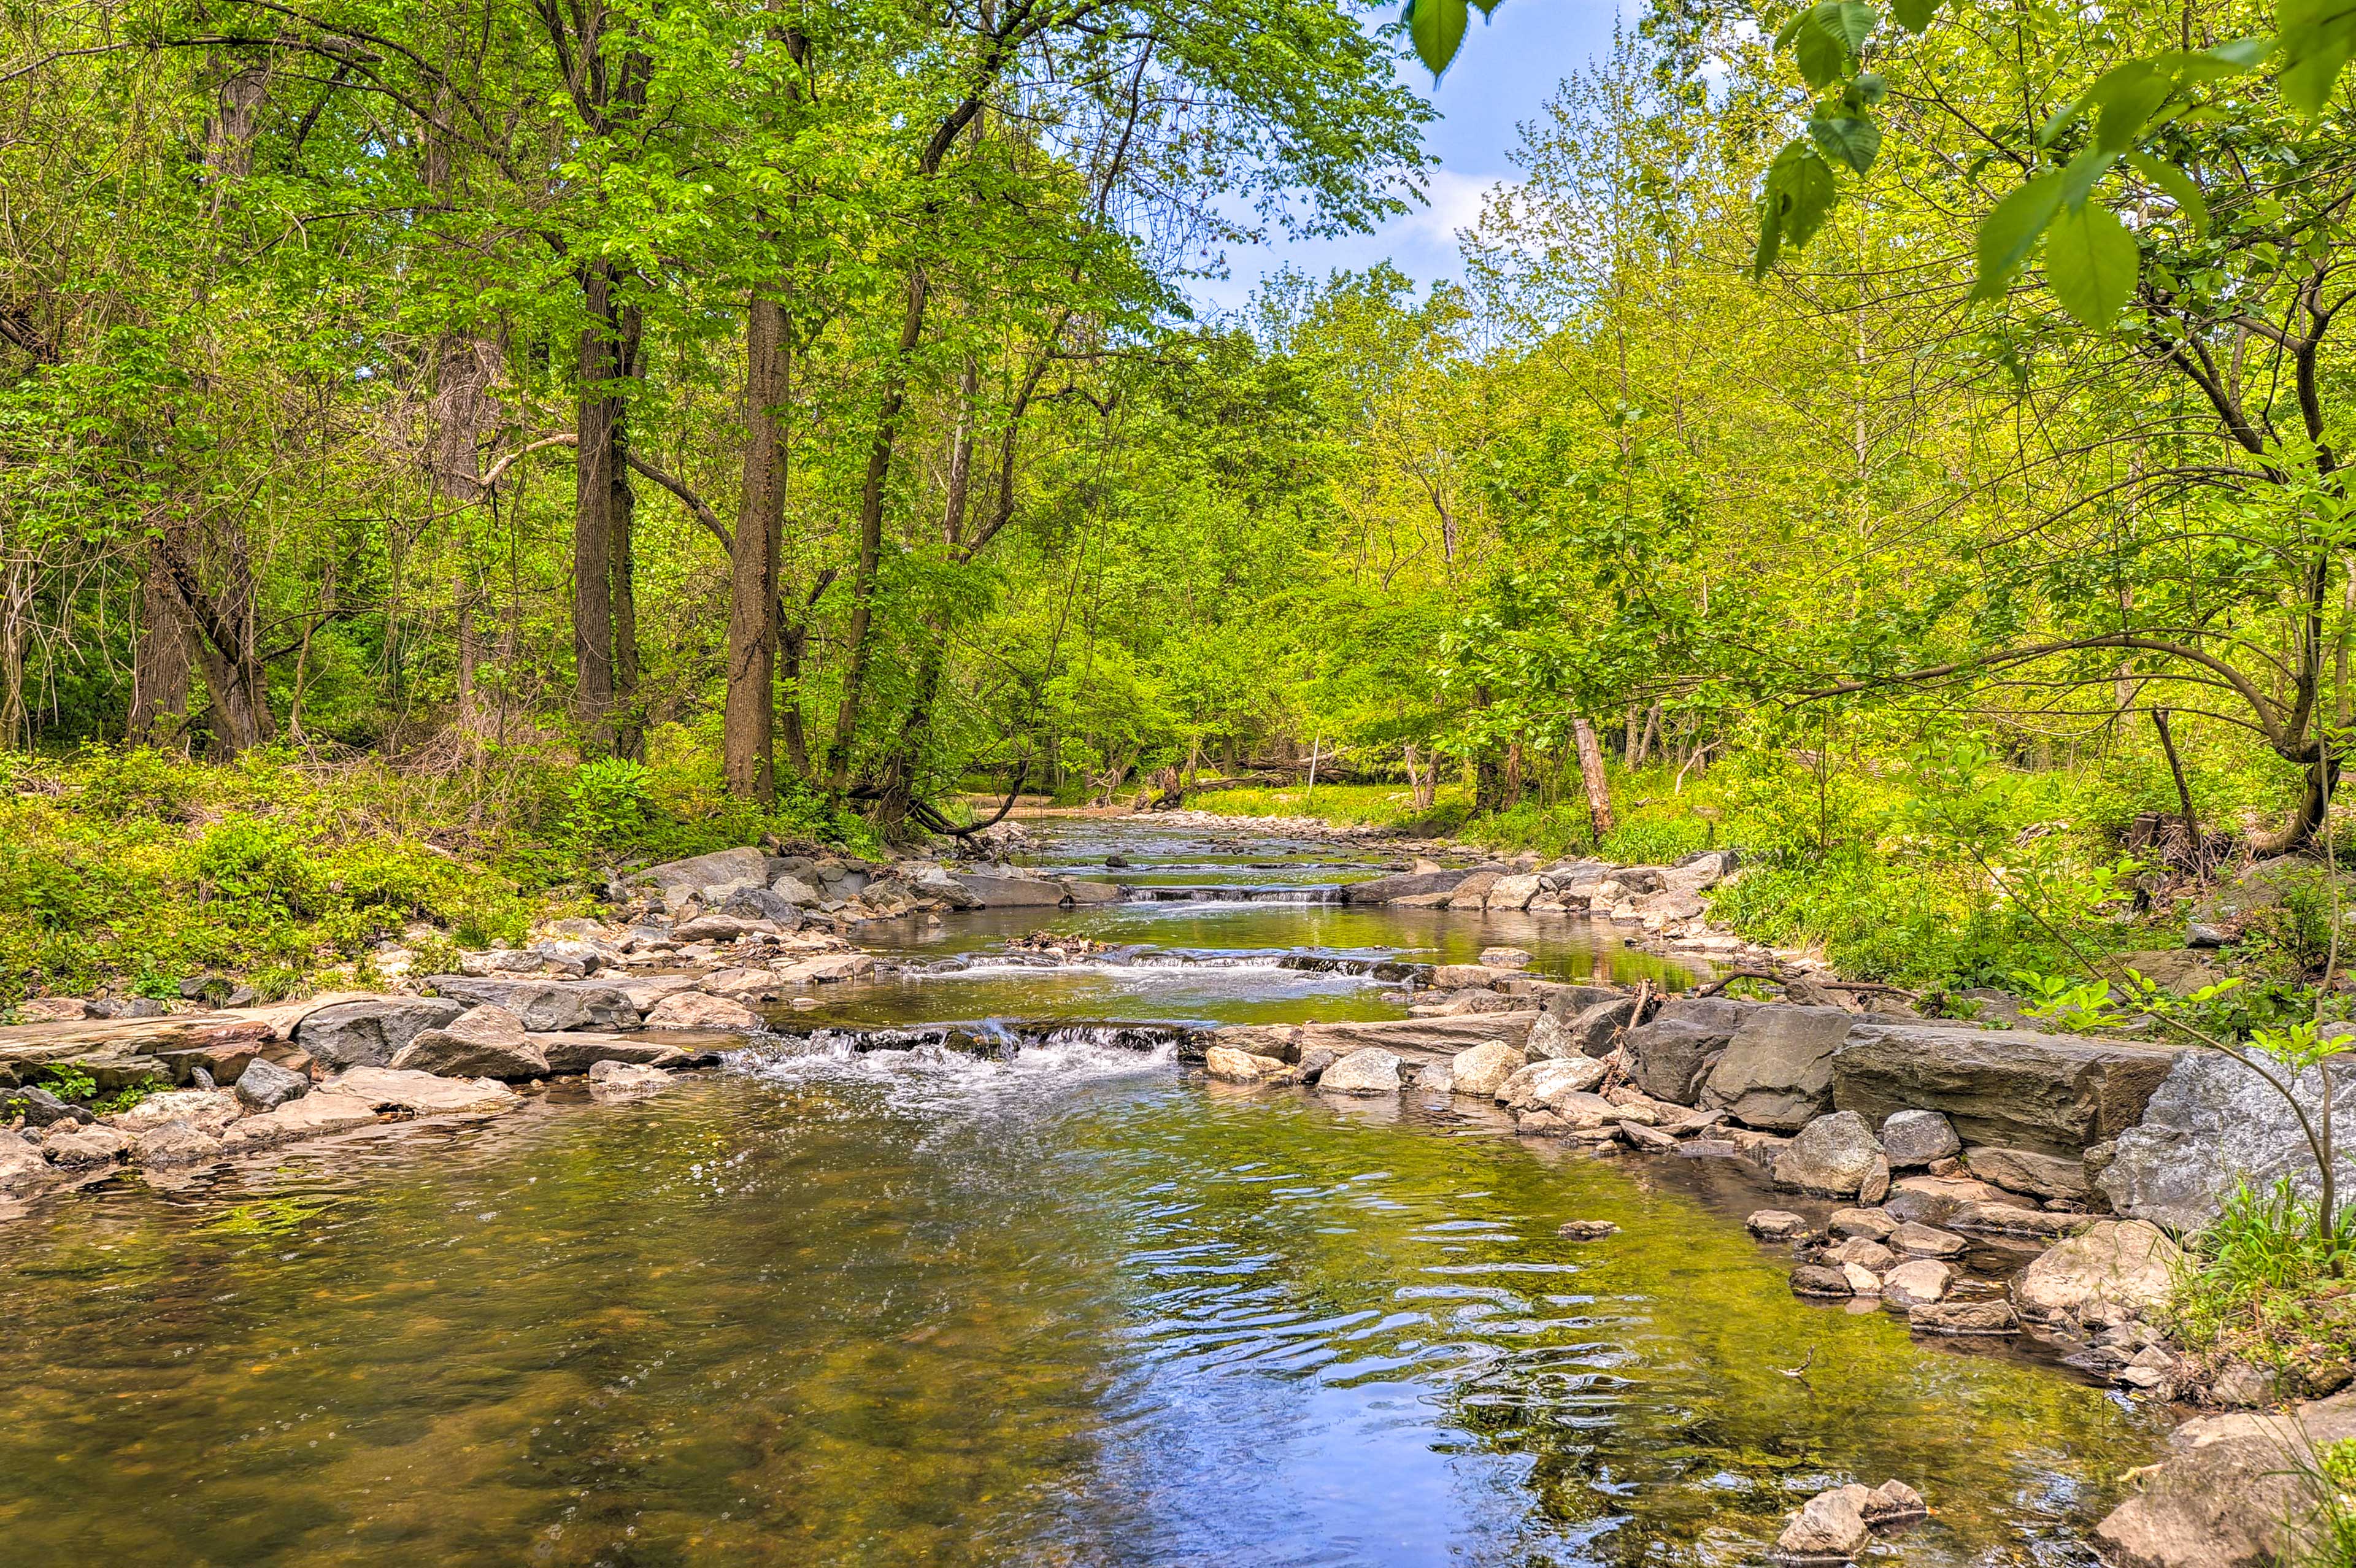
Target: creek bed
[(921, 1306)]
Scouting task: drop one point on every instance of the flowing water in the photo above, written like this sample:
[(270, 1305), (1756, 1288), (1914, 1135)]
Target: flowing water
[(919, 1306)]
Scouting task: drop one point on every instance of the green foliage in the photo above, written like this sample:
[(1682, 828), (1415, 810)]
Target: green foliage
[(68, 1082), (255, 861), (2267, 1281), (2069, 1006), (608, 804)]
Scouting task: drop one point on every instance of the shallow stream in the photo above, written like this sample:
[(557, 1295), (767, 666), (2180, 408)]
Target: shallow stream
[(1081, 1308)]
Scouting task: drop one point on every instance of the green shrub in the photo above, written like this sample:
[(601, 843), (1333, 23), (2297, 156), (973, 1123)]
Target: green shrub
[(250, 860), (2266, 1281), (139, 781), (606, 805)]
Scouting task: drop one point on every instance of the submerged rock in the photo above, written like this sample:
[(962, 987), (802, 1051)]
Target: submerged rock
[(1963, 1318), (1586, 1230), (626, 1080)]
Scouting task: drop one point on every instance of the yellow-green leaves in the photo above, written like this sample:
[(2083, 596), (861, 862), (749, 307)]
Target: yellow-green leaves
[(1828, 38), (2008, 234), (1850, 139), (1436, 27), (2318, 38), (2179, 188), (2090, 263)]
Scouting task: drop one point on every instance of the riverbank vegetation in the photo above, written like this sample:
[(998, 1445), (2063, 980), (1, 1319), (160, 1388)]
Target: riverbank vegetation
[(779, 419)]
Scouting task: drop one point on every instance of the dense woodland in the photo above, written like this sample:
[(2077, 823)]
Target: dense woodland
[(804, 402)]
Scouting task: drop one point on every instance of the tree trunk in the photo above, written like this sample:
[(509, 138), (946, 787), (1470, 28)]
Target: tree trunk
[(748, 731), (161, 660), (593, 504), (15, 616), (621, 553), (1591, 775)]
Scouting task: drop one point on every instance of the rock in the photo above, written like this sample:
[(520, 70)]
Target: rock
[(1963, 1318), (1776, 1225), (2178, 969), (1893, 1500), (693, 1009), (1313, 1061), (2006, 1219), (759, 904), (41, 1108), (1484, 1070), (1918, 1282), (1669, 1056), (1820, 1279), (418, 1093), (1652, 1140), (1509, 893), (545, 1005), (2007, 1089), (482, 1042), (371, 1033), (578, 1050), (72, 1143), (51, 1009), (1550, 1039), (2240, 1383), (1402, 885), (1368, 1070), (797, 892), (1830, 1528), (1870, 1223), (2023, 1170), (2197, 934), (1586, 1230), (265, 1085), (176, 1142), (1922, 1241), (1832, 1155), (1473, 893), (313, 1115), (2127, 1265), (2211, 1123), (1862, 1280), (2231, 1493), (724, 928), (1468, 976), (1596, 1028), (22, 1168), (1577, 1112), (1009, 891), (1231, 1066), (708, 879), (1876, 1185), (625, 1080), (1539, 1084), (208, 1110), (1777, 1073), (1438, 1036), (1505, 958), (1951, 1189), (1918, 1137), (1866, 1251)]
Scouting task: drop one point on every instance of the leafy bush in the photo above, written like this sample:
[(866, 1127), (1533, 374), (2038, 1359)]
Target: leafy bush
[(1657, 841), (139, 781), (606, 805), (2266, 1281), (246, 860)]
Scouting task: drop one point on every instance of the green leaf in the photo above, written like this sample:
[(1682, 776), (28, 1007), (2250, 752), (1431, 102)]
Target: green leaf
[(1771, 235), (1850, 139), (2126, 106), (1437, 29), (1869, 88), (1914, 15), (1850, 21), (2090, 264), (2079, 178), (2179, 188), (1792, 204), (2009, 233), (1818, 53), (2317, 37)]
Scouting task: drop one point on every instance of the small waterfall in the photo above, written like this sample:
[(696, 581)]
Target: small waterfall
[(1321, 894), (993, 1040)]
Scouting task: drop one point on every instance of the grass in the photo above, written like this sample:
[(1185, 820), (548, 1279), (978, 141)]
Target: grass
[(2266, 1282), (1344, 805), (139, 869)]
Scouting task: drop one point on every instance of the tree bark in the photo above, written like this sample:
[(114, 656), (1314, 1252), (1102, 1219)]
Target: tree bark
[(748, 728), (1592, 777), (161, 659), (593, 505), (621, 554)]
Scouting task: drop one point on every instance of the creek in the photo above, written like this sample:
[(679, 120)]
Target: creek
[(832, 1306)]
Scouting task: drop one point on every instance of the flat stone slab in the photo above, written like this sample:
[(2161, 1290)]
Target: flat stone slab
[(2047, 1093), (120, 1052)]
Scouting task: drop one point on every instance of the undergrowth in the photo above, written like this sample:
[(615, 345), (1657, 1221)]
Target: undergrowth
[(2267, 1281)]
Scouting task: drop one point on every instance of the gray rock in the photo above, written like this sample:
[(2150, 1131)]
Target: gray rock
[(176, 1142), (2024, 1171), (2231, 1493), (1670, 1055), (1596, 1028), (1963, 1318), (1484, 1070), (1915, 1139), (1820, 1279), (2198, 934), (577, 1050), (483, 1042), (40, 1107), (543, 1005), (265, 1085), (2006, 1089), (71, 1144), (1777, 1073), (1586, 1230), (1917, 1283), (1926, 1241), (762, 903), (1830, 1528), (2215, 1122), (1550, 1037), (2117, 1269), (1314, 1059), (1872, 1225), (1402, 885), (1009, 891), (371, 1033), (1368, 1070), (1776, 1225), (708, 879), (800, 894), (626, 1080), (1832, 1155), (1542, 1085), (1446, 1036)]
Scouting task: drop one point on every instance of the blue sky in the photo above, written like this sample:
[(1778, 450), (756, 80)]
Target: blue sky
[(1507, 69)]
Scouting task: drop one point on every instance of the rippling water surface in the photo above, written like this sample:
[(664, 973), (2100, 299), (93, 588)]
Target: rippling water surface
[(1078, 1309)]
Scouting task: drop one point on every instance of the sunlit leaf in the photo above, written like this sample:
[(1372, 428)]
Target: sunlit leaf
[(1914, 15), (2090, 264), (2009, 233), (2179, 188), (2079, 178), (1436, 27), (1850, 139), (1820, 55), (2126, 107)]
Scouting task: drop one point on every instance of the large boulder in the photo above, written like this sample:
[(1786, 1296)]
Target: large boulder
[(1473, 893), (544, 1005), (578, 1050), (1551, 1037), (1596, 1028), (207, 1110), (1511, 892), (1777, 1071), (1544, 1085), (2234, 1492), (265, 1086), (1669, 1056), (482, 1042), (2211, 1123), (1484, 1069), (2115, 1269), (707, 879), (1832, 1157), (2048, 1093), (371, 1033), (2026, 1170), (1009, 891), (693, 1009), (1447, 1036), (1368, 1070), (1914, 1138), (417, 1093), (1401, 885)]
